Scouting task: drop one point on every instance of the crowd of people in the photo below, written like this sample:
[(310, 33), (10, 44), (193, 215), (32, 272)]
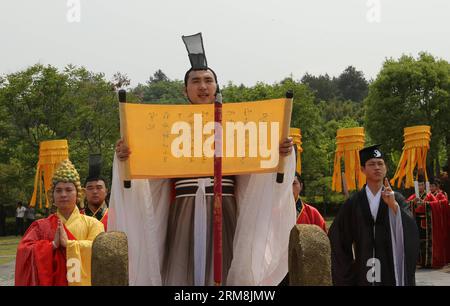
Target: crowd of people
[(377, 237)]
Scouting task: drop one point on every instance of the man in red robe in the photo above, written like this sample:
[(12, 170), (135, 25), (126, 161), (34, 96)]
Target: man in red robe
[(445, 184), (429, 217), (306, 214), (442, 198), (56, 251)]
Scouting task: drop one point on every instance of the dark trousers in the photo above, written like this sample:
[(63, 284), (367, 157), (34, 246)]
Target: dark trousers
[(19, 226), (2, 227)]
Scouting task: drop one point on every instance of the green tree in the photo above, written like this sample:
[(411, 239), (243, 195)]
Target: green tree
[(338, 110), (160, 89), (323, 87), (305, 115), (120, 81), (352, 85), (158, 76), (41, 103), (33, 101), (407, 92), (96, 116)]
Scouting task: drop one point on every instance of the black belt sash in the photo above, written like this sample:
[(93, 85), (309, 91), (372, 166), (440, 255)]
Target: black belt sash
[(188, 187)]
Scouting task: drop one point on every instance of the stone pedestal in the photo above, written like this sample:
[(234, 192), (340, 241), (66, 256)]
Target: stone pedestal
[(110, 259), (309, 256)]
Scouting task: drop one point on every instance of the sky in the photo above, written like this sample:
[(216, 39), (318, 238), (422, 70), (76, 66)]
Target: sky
[(246, 41)]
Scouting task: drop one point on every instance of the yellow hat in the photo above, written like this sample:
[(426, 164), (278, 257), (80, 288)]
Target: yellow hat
[(66, 173)]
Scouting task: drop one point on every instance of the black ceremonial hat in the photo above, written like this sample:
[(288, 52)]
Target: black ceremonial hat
[(369, 153), (196, 52), (95, 168)]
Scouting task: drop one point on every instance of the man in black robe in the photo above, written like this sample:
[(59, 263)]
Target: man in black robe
[(374, 238)]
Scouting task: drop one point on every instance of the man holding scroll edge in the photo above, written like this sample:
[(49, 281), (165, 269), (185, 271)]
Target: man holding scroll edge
[(170, 240)]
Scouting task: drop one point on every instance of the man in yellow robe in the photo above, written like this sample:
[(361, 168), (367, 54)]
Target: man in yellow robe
[(56, 251)]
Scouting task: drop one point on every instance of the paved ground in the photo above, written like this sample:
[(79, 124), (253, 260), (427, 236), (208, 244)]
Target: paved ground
[(424, 277), (432, 277), (7, 274)]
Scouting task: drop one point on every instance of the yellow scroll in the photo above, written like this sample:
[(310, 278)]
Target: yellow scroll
[(178, 140), (415, 149), (296, 135), (51, 153), (348, 143)]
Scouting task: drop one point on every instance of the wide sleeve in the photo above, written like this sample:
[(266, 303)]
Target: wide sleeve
[(141, 212), (266, 215), (442, 199), (79, 254), (397, 241), (320, 221), (410, 240), (37, 264), (341, 241)]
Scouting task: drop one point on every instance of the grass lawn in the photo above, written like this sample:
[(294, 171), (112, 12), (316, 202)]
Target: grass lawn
[(8, 248), (10, 239)]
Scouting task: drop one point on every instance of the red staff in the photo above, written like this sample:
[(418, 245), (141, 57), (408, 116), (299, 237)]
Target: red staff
[(217, 222), (196, 52)]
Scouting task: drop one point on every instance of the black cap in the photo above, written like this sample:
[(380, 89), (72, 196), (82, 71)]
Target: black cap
[(95, 168), (369, 153), (196, 52)]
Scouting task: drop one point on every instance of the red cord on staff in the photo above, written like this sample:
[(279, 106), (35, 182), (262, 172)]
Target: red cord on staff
[(217, 222)]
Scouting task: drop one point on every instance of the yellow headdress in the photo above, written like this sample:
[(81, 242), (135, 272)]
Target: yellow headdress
[(296, 134), (51, 153), (415, 149), (348, 143), (66, 173)]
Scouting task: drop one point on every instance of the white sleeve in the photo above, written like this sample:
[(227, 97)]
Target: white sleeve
[(266, 215), (140, 212), (398, 250)]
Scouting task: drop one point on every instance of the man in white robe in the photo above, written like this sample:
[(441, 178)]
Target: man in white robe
[(170, 242)]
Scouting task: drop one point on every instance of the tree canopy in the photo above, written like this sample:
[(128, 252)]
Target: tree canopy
[(410, 91), (43, 103)]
